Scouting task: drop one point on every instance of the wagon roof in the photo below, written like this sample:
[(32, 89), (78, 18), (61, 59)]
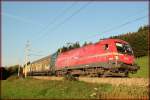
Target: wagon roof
[(101, 41), (47, 57)]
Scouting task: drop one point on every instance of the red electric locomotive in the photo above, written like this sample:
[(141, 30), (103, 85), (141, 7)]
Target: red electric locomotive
[(106, 57)]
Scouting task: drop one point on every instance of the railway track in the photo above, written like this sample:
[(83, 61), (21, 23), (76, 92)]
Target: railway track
[(143, 82)]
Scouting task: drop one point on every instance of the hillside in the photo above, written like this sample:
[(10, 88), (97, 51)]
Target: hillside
[(46, 89), (33, 88)]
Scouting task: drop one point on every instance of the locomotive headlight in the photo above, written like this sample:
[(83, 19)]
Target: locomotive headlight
[(117, 57)]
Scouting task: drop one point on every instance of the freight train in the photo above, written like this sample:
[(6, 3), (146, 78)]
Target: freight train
[(108, 57)]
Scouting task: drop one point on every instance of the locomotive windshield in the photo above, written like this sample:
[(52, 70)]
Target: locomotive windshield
[(124, 48)]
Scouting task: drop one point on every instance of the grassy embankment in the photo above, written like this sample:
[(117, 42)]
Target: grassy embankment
[(32, 88)]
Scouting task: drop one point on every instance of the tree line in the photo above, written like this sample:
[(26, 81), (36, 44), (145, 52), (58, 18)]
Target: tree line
[(72, 46), (8, 71)]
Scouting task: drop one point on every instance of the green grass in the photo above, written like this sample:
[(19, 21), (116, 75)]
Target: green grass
[(144, 67), (14, 88)]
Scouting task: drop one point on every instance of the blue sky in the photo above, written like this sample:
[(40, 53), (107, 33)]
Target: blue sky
[(34, 21)]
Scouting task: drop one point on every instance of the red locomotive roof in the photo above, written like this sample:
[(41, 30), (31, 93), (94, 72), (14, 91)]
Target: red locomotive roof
[(47, 57), (101, 41), (113, 40)]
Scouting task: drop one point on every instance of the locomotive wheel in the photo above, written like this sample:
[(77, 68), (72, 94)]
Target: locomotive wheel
[(126, 73), (106, 73), (58, 73)]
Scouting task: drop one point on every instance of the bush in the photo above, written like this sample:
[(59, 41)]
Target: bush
[(4, 73), (10, 71)]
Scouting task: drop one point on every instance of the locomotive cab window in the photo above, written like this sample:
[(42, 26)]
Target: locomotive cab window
[(124, 48), (105, 47)]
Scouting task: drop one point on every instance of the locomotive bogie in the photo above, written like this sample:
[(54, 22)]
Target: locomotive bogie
[(99, 69)]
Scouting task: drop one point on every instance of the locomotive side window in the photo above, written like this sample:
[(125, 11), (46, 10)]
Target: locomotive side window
[(106, 47)]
